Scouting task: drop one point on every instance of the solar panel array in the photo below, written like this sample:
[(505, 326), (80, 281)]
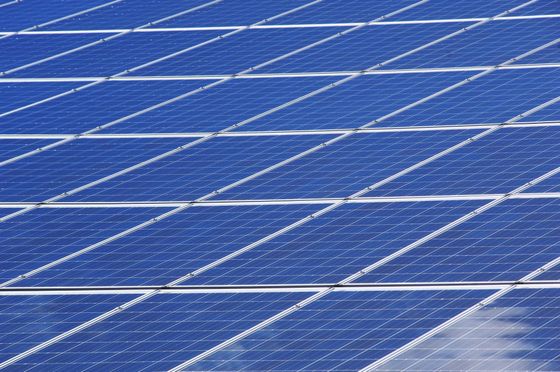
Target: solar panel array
[(296, 185)]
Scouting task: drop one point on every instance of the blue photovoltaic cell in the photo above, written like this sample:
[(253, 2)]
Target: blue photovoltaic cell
[(364, 48), (222, 105), (358, 101), (516, 332), (119, 54), (551, 184), (494, 98), (445, 9), (126, 14), (16, 95), (160, 332), (344, 331), (173, 247), (490, 44), (52, 172), (20, 50), (550, 54), (29, 13), (348, 166), (340, 11), (506, 242), (27, 321), (44, 235), (239, 52), (10, 148), (201, 169), (550, 113), (540, 8), (336, 245), (234, 13), (497, 163), (96, 105)]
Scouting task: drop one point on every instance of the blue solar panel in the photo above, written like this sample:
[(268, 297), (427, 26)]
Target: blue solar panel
[(442, 9), (200, 169), (344, 331), (358, 101), (491, 44), (498, 163), (550, 113), (29, 320), (364, 48), (348, 166), (34, 239), (10, 148), (505, 242), (52, 172), (116, 55), (16, 95), (540, 8), (161, 332), (336, 245), (517, 332), (172, 248), (494, 98), (548, 55)]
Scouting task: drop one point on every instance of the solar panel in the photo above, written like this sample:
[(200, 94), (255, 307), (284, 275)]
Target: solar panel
[(300, 185)]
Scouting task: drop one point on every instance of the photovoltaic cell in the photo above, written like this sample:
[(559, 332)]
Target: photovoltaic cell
[(516, 332), (173, 247), (16, 95), (497, 163), (540, 8), (201, 169), (348, 166), (550, 113), (548, 55), (494, 98), (364, 48), (551, 184), (442, 9), (506, 242), (44, 235), (49, 173), (358, 101), (344, 331), (30, 320), (335, 245), (161, 332), (10, 148), (490, 44)]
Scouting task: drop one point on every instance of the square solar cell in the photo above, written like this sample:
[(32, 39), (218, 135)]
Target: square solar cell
[(160, 332), (348, 166), (44, 235), (344, 331), (173, 247), (10, 148), (496, 163), (201, 169), (506, 242), (364, 48), (444, 9), (516, 332), (335, 245), (16, 95), (52, 172)]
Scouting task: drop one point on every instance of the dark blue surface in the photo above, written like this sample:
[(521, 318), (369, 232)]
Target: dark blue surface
[(10, 148), (44, 235), (239, 52), (348, 166), (490, 44), (49, 173), (337, 244), (551, 184), (497, 163), (517, 332), (547, 55), (506, 242), (117, 55), (343, 331), (221, 106), (539, 8), (15, 95), (494, 98), (364, 48), (201, 169), (160, 332), (358, 101), (173, 247), (445, 9), (27, 321), (550, 113)]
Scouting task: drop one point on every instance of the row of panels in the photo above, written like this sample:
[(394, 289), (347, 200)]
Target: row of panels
[(342, 331), (270, 167), (132, 13), (490, 44), (263, 104), (239, 245)]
